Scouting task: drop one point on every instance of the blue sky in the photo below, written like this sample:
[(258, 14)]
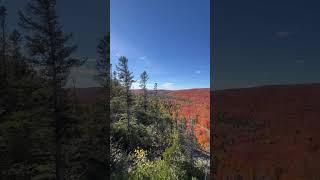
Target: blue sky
[(255, 42), (87, 20), (169, 39), (265, 42)]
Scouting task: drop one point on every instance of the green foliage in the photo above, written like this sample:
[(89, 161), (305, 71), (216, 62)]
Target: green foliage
[(192, 170), (102, 64), (154, 170), (138, 135), (143, 117), (152, 147), (172, 164), (125, 76), (117, 108), (120, 162), (143, 84)]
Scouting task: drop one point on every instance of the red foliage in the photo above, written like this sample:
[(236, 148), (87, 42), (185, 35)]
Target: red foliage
[(196, 103), (290, 139)]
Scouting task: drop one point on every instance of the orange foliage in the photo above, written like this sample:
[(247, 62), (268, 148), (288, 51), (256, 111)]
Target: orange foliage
[(196, 103)]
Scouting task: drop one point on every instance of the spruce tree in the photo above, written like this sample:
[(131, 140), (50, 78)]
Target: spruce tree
[(117, 102), (18, 62), (103, 68), (3, 16), (49, 50), (143, 84), (115, 85), (126, 78), (16, 70), (15, 40), (103, 62), (104, 76), (156, 98), (3, 70)]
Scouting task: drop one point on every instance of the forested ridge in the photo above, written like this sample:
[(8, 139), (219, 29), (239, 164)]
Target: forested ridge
[(152, 142)]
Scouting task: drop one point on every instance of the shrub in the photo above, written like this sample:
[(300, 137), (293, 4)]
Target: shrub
[(158, 169)]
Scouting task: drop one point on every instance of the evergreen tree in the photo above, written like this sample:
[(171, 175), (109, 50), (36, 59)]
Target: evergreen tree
[(156, 99), (115, 86), (114, 76), (103, 67), (104, 75), (3, 73), (103, 63), (19, 65), (155, 89), (117, 103), (48, 48), (16, 70), (126, 78), (75, 101), (15, 40), (143, 84), (3, 16)]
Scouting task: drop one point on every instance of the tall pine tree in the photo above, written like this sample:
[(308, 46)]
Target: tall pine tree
[(3, 73), (103, 68), (18, 64), (49, 50), (3, 16), (143, 84), (103, 63), (104, 76), (126, 78)]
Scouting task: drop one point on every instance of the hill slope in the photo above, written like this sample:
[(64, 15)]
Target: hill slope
[(194, 102), (289, 140), (197, 105)]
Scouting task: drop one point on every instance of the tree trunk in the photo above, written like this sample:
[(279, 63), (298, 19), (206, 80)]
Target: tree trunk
[(4, 64), (128, 109), (145, 100), (59, 128), (57, 111)]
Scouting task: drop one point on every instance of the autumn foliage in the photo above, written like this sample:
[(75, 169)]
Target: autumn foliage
[(195, 103)]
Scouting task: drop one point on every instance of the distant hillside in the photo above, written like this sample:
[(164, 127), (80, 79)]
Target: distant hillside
[(194, 102), (90, 95), (160, 91), (197, 105), (199, 95), (290, 139)]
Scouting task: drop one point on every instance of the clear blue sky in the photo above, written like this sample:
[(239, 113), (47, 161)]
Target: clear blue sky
[(260, 42), (170, 39), (87, 20)]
